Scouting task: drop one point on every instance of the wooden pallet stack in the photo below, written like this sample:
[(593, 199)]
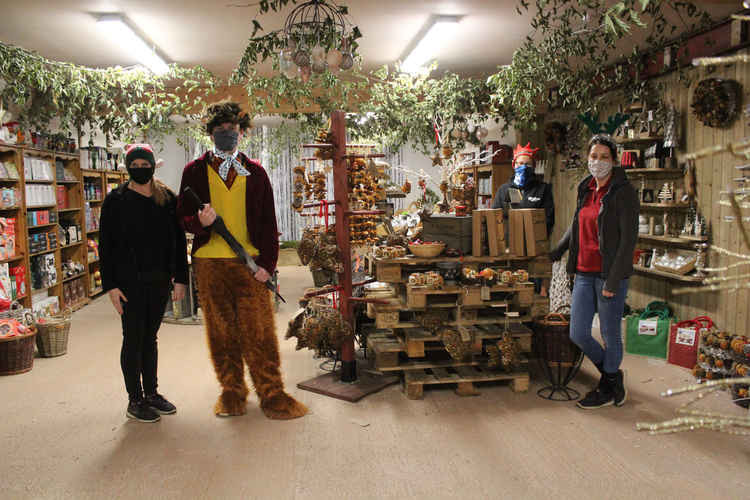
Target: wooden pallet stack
[(405, 338)]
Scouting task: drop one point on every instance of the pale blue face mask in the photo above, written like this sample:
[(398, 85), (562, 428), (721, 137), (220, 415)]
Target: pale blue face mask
[(522, 175)]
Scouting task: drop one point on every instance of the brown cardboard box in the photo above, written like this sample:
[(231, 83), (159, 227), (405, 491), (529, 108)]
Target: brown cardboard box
[(516, 233), (488, 230), (535, 231), (528, 232)]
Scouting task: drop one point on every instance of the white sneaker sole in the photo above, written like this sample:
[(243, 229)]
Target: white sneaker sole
[(130, 415), (608, 403)]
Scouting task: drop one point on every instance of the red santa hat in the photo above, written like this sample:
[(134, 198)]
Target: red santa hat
[(524, 151)]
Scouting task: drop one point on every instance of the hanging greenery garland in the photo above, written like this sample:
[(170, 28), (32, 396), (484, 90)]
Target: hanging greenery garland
[(121, 103), (571, 47)]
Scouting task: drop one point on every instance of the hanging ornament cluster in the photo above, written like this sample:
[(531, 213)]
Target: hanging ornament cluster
[(318, 249), (300, 187), (364, 185), (319, 38), (319, 327)]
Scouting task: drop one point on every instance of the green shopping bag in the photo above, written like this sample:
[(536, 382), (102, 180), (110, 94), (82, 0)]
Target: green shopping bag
[(647, 334)]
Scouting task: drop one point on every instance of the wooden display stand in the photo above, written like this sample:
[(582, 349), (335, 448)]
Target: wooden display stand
[(401, 344), (349, 385)]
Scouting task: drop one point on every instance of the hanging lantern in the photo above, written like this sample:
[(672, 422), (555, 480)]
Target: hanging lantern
[(305, 72), (287, 67), (318, 53), (302, 58), (347, 62), (319, 66), (481, 133), (334, 59)]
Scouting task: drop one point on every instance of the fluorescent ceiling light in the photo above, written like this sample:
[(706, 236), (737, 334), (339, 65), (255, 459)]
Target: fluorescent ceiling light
[(440, 29), (115, 26)]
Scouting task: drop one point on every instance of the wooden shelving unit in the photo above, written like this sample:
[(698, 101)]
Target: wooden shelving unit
[(73, 213), (671, 276), (669, 240)]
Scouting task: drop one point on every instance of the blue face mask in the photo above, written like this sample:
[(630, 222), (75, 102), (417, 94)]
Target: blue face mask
[(523, 174)]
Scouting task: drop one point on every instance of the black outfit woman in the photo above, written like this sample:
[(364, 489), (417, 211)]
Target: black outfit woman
[(142, 249)]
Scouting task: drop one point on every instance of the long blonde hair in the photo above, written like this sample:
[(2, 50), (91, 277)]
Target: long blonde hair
[(161, 192)]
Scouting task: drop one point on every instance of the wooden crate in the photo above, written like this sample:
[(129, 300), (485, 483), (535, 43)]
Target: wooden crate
[(464, 377), (388, 273), (417, 342), (468, 296)]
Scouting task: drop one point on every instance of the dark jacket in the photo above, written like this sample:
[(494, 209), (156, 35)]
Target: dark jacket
[(536, 194), (118, 235), (259, 207), (617, 227)]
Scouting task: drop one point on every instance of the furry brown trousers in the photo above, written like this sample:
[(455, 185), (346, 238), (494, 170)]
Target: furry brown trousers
[(241, 329)]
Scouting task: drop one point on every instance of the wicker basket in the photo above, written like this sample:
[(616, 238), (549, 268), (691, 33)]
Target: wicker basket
[(17, 353), (552, 339), (52, 336), (427, 250)]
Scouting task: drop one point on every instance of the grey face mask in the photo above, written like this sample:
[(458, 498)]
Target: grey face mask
[(226, 140)]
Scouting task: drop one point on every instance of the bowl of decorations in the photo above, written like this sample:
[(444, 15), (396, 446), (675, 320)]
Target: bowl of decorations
[(426, 249), (489, 276)]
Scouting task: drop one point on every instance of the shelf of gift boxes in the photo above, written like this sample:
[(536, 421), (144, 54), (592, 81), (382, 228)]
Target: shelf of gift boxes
[(9, 180), (98, 200), (40, 181), (77, 243), (39, 207), (71, 278), (638, 140), (654, 171), (63, 210), (662, 274), (686, 240), (664, 206), (34, 290), (7, 209), (12, 259), (44, 252), (42, 226)]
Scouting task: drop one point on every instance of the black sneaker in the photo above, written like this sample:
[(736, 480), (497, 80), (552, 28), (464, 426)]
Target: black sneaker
[(141, 411), (597, 398), (618, 388), (161, 405)]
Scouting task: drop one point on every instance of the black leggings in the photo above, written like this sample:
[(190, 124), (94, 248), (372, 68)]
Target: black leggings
[(141, 319)]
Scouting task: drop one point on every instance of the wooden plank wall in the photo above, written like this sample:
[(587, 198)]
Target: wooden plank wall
[(714, 174)]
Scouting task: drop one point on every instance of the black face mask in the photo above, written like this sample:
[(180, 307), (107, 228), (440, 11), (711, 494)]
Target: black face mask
[(226, 140), (141, 175)]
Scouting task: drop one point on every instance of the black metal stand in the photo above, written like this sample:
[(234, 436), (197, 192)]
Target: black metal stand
[(559, 357), (560, 378), (348, 371)]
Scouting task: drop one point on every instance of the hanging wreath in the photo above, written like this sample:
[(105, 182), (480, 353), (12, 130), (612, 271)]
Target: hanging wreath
[(716, 102)]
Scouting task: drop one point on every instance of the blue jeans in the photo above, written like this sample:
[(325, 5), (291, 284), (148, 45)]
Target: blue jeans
[(587, 300)]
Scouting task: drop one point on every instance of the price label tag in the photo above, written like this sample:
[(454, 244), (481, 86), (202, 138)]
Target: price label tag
[(685, 336), (485, 293), (647, 327)]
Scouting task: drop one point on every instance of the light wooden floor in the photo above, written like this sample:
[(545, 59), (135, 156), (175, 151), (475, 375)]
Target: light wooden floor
[(63, 434)]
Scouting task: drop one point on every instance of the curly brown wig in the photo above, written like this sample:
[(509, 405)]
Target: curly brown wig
[(228, 112)]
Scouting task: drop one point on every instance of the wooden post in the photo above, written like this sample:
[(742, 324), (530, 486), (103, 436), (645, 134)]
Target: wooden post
[(341, 195)]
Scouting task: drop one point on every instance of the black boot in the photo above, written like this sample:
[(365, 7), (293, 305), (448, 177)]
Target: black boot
[(618, 387), (600, 397)]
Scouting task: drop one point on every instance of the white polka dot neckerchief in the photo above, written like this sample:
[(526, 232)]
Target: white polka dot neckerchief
[(229, 161)]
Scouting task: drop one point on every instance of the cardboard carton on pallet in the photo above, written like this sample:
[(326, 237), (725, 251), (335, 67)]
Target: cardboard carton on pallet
[(528, 232), (488, 230)]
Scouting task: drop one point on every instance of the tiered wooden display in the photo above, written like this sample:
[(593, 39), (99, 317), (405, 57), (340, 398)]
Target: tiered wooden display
[(402, 344)]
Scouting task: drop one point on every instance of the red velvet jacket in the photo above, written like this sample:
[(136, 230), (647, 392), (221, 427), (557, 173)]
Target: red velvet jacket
[(259, 205)]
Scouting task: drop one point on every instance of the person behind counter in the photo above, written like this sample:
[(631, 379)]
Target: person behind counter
[(535, 193)]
